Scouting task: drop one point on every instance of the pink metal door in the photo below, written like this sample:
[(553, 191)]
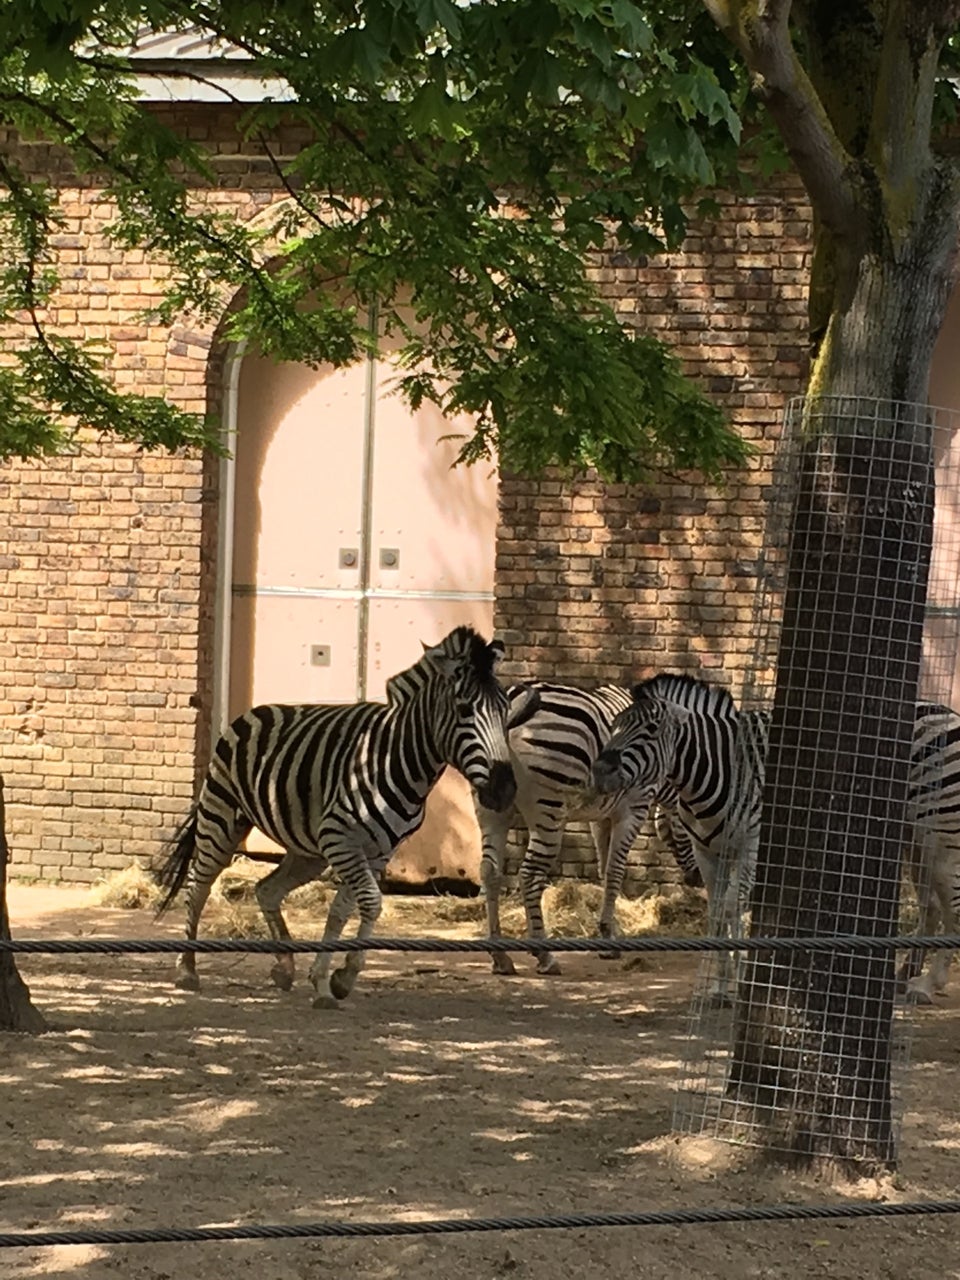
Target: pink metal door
[(432, 556), (353, 542), (297, 537)]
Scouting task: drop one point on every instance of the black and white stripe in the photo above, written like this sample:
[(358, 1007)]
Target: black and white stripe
[(689, 734), (552, 756), (341, 786)]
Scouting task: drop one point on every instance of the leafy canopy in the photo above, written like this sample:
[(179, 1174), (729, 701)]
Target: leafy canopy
[(463, 162)]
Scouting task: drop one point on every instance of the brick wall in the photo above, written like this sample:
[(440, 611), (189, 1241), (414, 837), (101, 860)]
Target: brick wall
[(107, 572), (608, 583), (108, 564)]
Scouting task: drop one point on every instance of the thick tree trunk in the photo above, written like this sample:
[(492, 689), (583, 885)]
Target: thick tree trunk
[(17, 1011), (812, 1046), (853, 101)]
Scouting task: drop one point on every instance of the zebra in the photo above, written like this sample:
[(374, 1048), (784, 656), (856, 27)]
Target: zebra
[(341, 786), (552, 755), (690, 733)]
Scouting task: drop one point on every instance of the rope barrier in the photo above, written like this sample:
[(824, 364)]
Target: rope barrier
[(461, 1226), (849, 942)]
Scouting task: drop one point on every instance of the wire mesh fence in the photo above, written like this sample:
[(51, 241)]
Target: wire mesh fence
[(841, 775)]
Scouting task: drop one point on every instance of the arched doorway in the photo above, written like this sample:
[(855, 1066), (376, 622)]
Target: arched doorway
[(352, 539)]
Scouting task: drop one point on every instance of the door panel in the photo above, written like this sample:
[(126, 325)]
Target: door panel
[(441, 522), (273, 642), (299, 489), (398, 629), (293, 649)]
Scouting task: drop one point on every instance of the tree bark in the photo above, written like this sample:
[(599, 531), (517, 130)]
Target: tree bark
[(17, 1010), (812, 1040), (812, 1043)]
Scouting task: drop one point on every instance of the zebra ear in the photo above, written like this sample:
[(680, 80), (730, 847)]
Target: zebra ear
[(496, 649), (440, 661)]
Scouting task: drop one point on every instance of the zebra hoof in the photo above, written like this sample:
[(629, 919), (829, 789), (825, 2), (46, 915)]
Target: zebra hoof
[(281, 977), (608, 955), (549, 968), (325, 1002), (187, 981), (503, 965), (917, 995), (341, 983)]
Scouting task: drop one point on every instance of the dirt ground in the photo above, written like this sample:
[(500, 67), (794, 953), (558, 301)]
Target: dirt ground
[(437, 1090)]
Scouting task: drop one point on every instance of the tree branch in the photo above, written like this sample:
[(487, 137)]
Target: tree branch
[(942, 16), (760, 29), (899, 143)]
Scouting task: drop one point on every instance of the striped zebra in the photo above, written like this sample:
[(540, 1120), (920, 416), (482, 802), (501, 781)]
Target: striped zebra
[(341, 786), (688, 733), (552, 755)]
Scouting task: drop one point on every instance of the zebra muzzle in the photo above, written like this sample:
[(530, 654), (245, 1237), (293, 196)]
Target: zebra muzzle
[(500, 789), (606, 772)]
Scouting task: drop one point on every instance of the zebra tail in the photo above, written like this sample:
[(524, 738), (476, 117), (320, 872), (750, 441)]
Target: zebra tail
[(173, 872)]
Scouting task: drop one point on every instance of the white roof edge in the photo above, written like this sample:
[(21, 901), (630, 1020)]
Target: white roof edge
[(161, 60), (216, 86)]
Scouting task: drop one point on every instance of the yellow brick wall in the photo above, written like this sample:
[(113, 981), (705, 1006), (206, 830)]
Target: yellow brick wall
[(107, 563), (107, 566), (605, 583)]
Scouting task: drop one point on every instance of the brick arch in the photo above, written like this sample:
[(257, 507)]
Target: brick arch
[(195, 371), (196, 350)]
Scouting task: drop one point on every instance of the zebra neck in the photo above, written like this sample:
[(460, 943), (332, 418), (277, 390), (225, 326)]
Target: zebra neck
[(702, 763), (413, 742)]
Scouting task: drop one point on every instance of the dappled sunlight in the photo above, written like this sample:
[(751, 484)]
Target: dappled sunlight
[(435, 1091), (64, 1260)]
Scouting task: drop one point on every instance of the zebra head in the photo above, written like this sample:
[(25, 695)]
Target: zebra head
[(642, 746), (475, 713)]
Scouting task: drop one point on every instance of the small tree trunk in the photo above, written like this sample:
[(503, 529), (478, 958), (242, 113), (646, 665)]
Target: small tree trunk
[(17, 1011), (812, 1044)]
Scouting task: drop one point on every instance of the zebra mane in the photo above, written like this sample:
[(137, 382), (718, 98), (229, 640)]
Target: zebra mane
[(483, 657), (462, 643), (687, 691)]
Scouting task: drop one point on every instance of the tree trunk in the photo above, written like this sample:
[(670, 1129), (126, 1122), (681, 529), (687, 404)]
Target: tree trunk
[(17, 1011), (853, 100), (812, 1044)]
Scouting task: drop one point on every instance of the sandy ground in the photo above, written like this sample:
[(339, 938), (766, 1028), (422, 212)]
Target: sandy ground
[(438, 1090)]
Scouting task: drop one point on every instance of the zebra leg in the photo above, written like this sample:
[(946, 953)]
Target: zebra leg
[(295, 870), (493, 830), (718, 900), (720, 997), (942, 960), (622, 830), (541, 854), (600, 833), (341, 909), (934, 884), (366, 893), (214, 852), (927, 920)]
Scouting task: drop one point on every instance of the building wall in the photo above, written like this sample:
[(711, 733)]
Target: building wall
[(605, 583), (108, 567)]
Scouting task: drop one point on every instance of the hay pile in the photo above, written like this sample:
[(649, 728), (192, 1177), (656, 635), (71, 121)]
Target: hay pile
[(231, 911), (571, 907)]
